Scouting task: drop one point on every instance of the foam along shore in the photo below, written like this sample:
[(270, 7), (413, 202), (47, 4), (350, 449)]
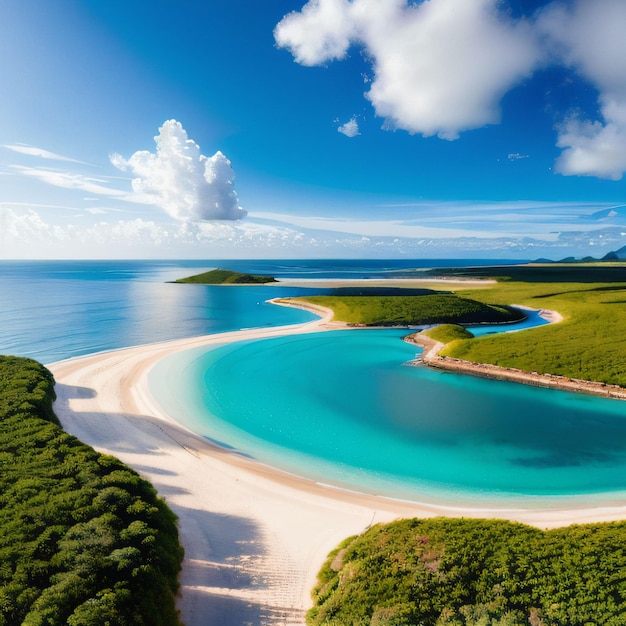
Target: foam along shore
[(254, 536)]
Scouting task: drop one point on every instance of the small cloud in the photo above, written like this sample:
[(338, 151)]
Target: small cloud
[(40, 152), (67, 180), (516, 156), (100, 211), (592, 149), (588, 36), (350, 128), (181, 180)]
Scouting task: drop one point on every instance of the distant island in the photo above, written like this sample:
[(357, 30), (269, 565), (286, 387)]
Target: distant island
[(226, 277), (614, 256)]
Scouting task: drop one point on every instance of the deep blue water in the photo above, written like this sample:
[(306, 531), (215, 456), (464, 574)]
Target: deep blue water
[(391, 429), (56, 310)]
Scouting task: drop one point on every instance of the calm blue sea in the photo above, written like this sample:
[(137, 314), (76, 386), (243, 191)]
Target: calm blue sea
[(52, 310), (339, 407)]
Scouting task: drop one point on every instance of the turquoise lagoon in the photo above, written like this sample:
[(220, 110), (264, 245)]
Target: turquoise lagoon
[(342, 407)]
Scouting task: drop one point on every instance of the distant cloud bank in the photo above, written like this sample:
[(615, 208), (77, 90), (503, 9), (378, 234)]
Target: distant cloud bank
[(441, 67), (181, 180), (312, 237)]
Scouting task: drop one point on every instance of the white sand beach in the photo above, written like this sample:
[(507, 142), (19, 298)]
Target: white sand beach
[(254, 537)]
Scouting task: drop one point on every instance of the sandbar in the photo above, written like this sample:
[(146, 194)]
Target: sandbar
[(254, 536)]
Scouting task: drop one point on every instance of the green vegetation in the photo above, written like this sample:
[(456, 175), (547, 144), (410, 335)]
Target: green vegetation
[(84, 540), (460, 572), (540, 273), (413, 310), (447, 333), (590, 344), (226, 277)]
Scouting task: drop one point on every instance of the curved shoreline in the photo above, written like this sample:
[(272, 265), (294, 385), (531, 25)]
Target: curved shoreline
[(432, 358), (254, 536)]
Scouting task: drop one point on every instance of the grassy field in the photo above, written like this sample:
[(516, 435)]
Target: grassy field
[(590, 343)]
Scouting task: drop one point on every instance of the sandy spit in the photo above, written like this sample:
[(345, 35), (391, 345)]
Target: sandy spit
[(254, 537), (432, 358)]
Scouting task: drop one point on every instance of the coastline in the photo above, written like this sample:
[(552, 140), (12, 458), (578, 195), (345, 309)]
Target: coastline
[(432, 358), (254, 536)]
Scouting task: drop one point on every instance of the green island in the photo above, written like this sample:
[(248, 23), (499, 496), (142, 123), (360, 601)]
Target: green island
[(84, 540), (226, 277), (462, 572)]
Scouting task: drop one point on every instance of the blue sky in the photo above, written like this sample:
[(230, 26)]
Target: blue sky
[(333, 128)]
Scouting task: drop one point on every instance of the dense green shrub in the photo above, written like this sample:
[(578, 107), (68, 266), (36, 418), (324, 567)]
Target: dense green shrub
[(462, 572), (27, 388), (84, 540), (446, 333)]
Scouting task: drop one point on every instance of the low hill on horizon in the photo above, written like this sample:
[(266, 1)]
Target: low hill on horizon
[(226, 277)]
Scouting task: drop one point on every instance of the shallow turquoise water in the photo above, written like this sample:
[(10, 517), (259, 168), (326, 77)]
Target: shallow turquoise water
[(340, 407)]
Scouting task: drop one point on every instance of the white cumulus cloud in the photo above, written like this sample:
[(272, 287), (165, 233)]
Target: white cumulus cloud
[(321, 32), (350, 128), (440, 67), (181, 180), (589, 37)]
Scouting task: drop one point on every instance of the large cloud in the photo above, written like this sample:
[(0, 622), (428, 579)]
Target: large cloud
[(589, 37), (440, 66), (187, 184)]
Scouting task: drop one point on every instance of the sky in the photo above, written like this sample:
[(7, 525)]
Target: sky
[(205, 129)]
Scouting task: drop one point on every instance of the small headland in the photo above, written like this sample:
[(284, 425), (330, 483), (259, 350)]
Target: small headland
[(226, 277), (447, 314), (435, 339)]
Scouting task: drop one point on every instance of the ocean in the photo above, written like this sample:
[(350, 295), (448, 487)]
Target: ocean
[(340, 407), (53, 310)]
